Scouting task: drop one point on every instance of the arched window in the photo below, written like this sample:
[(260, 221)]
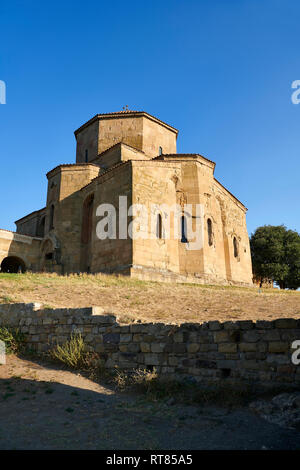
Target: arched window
[(160, 151), (235, 247), (209, 232), (51, 224), (87, 219), (183, 230), (159, 227)]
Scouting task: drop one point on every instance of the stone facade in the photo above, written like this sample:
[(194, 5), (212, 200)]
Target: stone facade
[(21, 250), (259, 352), (133, 154)]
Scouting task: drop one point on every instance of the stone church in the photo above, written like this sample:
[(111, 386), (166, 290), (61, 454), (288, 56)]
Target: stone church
[(132, 154)]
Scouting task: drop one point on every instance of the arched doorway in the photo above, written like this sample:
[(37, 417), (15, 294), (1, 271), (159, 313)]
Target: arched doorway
[(13, 264)]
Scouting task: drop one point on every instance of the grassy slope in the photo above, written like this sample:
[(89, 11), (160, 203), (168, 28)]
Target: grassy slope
[(149, 301)]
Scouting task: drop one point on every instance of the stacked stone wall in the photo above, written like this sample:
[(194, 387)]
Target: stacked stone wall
[(242, 350)]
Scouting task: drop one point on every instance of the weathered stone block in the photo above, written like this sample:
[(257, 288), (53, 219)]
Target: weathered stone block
[(205, 337), (245, 324), (262, 346), (145, 347), (264, 324), (251, 336), (137, 328), (193, 337), (205, 347), (89, 338), (286, 369), (214, 325), (278, 347), (148, 338), (157, 347), (167, 370), (230, 325), (256, 355), (193, 348), (271, 335), (110, 347), (125, 338), (227, 364), (173, 361), (133, 347), (227, 347), (111, 338), (290, 334), (247, 347), (179, 348), (286, 323), (178, 337), (278, 359), (221, 336), (206, 364), (151, 359), (137, 337)]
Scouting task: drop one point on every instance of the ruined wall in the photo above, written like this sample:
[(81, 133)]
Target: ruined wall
[(21, 246), (259, 352)]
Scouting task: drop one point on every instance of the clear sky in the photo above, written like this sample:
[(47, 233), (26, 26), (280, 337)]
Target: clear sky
[(220, 71)]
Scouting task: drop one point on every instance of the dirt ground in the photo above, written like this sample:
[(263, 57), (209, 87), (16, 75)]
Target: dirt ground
[(45, 407), (150, 301)]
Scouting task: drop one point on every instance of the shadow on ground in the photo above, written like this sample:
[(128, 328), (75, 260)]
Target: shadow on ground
[(45, 407)]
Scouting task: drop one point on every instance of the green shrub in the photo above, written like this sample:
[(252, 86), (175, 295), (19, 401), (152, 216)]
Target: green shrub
[(14, 340), (71, 352)]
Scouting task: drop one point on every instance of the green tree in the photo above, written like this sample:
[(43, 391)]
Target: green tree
[(275, 252)]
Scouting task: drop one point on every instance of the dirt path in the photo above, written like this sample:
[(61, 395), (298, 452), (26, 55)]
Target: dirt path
[(43, 407)]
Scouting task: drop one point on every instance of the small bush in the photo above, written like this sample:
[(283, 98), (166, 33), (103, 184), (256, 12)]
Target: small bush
[(154, 387), (6, 299), (146, 382), (71, 352), (14, 340)]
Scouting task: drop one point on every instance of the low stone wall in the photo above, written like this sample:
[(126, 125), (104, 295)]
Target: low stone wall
[(257, 352)]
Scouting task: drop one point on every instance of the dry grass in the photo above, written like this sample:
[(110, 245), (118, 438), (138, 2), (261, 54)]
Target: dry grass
[(133, 300), (155, 388), (71, 352)]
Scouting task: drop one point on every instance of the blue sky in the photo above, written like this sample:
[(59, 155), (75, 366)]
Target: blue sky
[(220, 71)]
